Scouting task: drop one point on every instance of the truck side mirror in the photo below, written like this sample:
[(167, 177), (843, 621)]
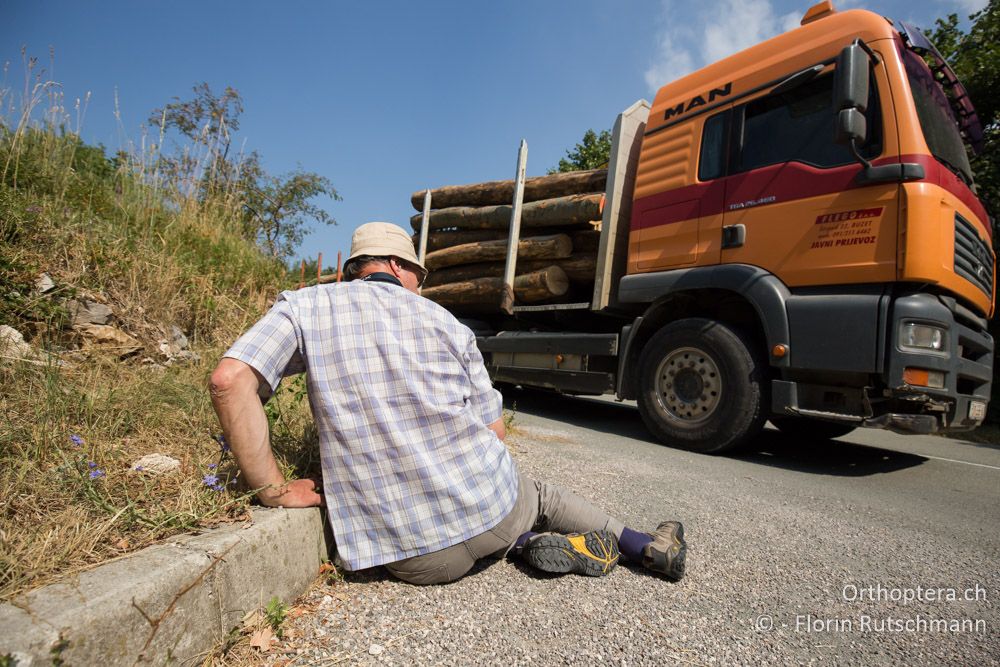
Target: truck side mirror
[(850, 79), (852, 127), (850, 98)]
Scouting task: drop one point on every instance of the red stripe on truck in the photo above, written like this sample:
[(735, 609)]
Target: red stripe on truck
[(782, 183)]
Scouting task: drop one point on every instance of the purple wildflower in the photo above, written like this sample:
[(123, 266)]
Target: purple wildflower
[(213, 482), (91, 465), (96, 473), (138, 468), (76, 440), (213, 466), (223, 445)]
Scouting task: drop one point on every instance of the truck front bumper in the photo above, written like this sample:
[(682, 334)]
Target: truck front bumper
[(962, 369)]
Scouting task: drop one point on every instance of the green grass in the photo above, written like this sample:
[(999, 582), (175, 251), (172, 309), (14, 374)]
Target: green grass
[(74, 421)]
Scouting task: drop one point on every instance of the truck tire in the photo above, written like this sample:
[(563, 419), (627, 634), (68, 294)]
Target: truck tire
[(703, 387), (813, 429)]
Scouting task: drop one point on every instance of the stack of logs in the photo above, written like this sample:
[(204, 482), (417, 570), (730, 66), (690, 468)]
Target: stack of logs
[(468, 232)]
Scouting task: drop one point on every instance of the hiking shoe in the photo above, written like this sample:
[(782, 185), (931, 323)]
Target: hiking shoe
[(667, 552), (593, 554)]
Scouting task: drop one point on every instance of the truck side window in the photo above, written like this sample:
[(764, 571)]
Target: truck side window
[(712, 162), (798, 125)]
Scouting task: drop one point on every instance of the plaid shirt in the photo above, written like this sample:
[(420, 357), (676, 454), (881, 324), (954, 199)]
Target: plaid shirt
[(402, 402)]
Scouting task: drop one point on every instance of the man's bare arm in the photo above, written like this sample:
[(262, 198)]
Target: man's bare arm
[(234, 395)]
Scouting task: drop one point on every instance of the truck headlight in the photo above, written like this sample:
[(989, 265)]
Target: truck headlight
[(921, 337)]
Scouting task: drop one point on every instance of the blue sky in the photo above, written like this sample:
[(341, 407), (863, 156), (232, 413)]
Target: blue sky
[(385, 98)]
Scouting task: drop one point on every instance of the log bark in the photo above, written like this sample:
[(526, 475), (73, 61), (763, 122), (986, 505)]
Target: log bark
[(560, 211), (537, 247), (578, 267), (528, 288), (502, 192), (586, 239), (439, 240)]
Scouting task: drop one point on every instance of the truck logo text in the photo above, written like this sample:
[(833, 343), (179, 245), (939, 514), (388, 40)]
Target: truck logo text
[(845, 216), (698, 101), (847, 228)]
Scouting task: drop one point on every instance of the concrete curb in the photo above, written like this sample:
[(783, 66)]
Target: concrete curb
[(170, 602)]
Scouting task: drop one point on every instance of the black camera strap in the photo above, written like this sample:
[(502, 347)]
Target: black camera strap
[(382, 277)]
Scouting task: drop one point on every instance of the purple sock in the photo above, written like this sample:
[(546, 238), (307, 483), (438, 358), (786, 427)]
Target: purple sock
[(523, 539), (631, 543)]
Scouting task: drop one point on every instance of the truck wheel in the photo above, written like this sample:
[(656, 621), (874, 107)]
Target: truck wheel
[(702, 387), (813, 429)]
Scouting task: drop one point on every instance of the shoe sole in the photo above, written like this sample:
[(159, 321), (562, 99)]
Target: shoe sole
[(679, 564), (558, 554)]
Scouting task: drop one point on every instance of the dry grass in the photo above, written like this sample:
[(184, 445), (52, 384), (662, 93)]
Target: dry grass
[(69, 441), (160, 254)]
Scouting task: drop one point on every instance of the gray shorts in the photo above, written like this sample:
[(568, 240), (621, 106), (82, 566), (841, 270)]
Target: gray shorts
[(540, 507)]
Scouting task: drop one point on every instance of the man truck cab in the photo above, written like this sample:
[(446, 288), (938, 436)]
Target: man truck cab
[(791, 233)]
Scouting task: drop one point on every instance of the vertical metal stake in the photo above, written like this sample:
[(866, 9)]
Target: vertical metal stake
[(514, 237), (425, 224)]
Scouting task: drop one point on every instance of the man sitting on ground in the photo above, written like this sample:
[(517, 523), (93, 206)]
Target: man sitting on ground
[(415, 474)]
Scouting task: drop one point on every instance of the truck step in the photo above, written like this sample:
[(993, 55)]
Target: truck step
[(550, 343)]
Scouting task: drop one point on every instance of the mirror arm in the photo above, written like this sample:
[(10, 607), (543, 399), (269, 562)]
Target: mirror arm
[(857, 155), (867, 49)]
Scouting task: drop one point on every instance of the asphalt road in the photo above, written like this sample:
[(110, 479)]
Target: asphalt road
[(873, 549)]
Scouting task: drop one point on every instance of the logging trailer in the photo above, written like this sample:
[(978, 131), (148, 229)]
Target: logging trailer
[(791, 233)]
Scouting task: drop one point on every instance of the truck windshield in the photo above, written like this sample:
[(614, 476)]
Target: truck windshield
[(936, 117)]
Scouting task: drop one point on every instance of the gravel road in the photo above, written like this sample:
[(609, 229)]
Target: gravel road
[(800, 553)]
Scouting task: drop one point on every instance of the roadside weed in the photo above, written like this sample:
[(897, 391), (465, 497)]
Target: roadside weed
[(275, 613)]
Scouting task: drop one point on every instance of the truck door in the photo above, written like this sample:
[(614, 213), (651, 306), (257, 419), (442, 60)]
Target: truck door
[(791, 202), (677, 213)]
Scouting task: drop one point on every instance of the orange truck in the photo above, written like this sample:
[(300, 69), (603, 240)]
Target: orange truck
[(791, 233)]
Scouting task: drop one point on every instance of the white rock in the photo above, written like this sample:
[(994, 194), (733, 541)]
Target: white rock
[(12, 343), (157, 464), (168, 349), (184, 357), (178, 338), (44, 284), (375, 649)]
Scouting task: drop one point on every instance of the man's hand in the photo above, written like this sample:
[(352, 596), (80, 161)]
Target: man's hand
[(498, 428), (295, 493)]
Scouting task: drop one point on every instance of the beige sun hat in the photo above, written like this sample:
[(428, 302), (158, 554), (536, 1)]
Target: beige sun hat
[(381, 239)]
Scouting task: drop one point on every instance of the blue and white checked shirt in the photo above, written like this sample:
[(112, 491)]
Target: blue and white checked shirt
[(402, 402)]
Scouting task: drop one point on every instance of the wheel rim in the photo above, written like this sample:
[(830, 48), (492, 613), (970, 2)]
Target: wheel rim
[(688, 386)]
